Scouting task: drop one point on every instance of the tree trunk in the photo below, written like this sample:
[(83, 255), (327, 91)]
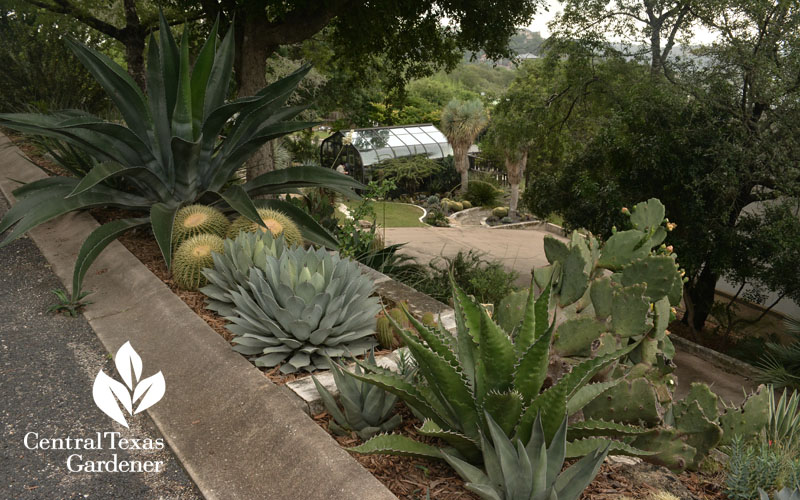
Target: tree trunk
[(251, 76), (699, 298), (512, 205), (134, 56), (462, 166), (464, 181)]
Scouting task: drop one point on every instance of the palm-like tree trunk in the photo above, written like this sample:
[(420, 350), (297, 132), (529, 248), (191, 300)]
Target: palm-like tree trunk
[(515, 166)]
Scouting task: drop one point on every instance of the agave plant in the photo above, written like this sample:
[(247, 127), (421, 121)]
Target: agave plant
[(170, 149), (483, 370), (232, 267), (784, 494), (527, 471), (366, 409), (302, 308)]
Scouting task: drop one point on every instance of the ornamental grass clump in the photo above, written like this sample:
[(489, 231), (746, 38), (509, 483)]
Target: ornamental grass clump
[(302, 307), (168, 148)]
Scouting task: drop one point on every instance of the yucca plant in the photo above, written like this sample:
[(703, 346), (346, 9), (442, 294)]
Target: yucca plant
[(527, 471), (783, 428), (169, 150), (484, 370), (365, 408)]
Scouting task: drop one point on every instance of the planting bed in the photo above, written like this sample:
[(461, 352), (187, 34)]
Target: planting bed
[(405, 477)]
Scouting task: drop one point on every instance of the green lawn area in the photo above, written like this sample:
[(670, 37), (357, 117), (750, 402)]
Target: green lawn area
[(391, 214)]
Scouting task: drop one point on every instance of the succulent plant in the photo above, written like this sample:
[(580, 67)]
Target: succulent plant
[(192, 220), (466, 204), (500, 212), (784, 494), (527, 471), (192, 256), (432, 200), (385, 333), (506, 220), (365, 408), (428, 319), (303, 307), (275, 222), (483, 370), (232, 266), (454, 206)]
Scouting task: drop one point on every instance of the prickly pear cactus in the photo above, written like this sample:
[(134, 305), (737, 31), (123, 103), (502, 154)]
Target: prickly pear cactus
[(609, 295)]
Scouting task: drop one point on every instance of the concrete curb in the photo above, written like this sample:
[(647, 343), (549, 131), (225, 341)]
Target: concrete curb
[(238, 435), (721, 361)]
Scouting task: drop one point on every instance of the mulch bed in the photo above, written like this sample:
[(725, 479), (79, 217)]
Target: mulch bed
[(408, 478)]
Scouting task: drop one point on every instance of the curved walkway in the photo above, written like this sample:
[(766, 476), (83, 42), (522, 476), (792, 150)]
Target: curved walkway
[(520, 250)]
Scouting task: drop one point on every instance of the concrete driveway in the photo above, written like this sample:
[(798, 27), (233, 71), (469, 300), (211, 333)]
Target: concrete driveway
[(520, 250)]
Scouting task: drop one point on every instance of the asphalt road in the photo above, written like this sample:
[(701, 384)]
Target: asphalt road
[(48, 364)]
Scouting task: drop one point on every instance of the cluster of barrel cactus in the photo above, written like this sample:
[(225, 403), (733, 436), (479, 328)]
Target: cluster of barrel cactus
[(389, 335), (199, 230)]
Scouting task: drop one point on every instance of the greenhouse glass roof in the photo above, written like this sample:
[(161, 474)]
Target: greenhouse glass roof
[(384, 143)]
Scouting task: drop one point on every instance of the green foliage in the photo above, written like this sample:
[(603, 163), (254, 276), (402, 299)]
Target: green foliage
[(300, 308), (483, 371), (754, 466), (527, 471), (68, 304), (482, 194), (273, 221), (193, 220), (365, 408), (192, 256), (436, 218), (784, 420), (487, 281), (780, 364), (39, 71), (385, 333), (170, 147), (410, 174)]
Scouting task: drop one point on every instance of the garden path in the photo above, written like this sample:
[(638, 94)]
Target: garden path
[(522, 250)]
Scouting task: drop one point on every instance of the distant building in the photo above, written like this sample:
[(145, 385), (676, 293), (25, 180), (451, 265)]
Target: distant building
[(359, 149)]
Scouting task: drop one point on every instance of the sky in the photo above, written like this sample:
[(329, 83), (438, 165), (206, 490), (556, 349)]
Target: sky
[(701, 36)]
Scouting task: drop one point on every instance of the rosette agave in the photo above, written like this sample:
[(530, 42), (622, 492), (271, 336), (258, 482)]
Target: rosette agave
[(170, 151), (301, 308)]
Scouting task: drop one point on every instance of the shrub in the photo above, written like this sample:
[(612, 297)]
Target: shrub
[(436, 218), (487, 281), (780, 365), (409, 173), (483, 194), (298, 309)]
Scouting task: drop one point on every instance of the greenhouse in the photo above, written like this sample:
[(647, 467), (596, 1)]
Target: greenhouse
[(359, 149)]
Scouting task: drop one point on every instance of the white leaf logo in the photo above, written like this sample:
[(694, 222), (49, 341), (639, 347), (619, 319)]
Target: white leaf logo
[(107, 391)]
